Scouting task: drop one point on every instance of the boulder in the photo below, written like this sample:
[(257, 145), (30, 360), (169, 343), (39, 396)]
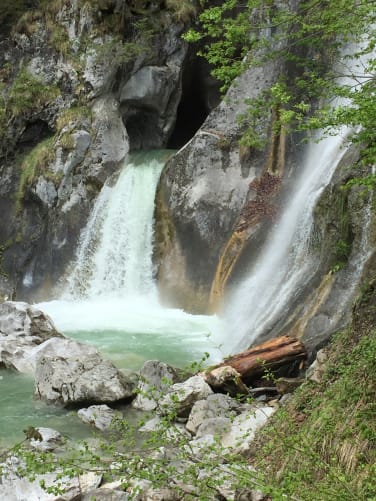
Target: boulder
[(155, 379), (99, 416), (102, 494), (44, 439), (227, 380), (317, 369), (22, 329), (244, 427), (215, 406), (88, 378), (16, 487), (181, 396)]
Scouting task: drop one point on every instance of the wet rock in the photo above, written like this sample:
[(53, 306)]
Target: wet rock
[(45, 439), (215, 406), (99, 416), (23, 329), (181, 396), (155, 379), (69, 380)]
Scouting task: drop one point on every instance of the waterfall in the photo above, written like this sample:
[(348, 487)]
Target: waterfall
[(111, 299), (285, 263), (114, 257), (284, 266)]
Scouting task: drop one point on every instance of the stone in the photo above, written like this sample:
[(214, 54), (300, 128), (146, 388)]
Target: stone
[(316, 370), (244, 428), (151, 86), (23, 330), (18, 488), (216, 405), (155, 379), (46, 439), (68, 380), (174, 433), (181, 396), (46, 192), (216, 426), (99, 416), (227, 380), (104, 494)]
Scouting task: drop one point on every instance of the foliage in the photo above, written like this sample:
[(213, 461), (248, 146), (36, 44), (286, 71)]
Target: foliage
[(239, 34), (321, 446), (34, 164), (28, 94)]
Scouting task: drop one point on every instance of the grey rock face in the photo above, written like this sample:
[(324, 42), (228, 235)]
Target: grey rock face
[(216, 405), (99, 416), (203, 188), (155, 378), (70, 380), (23, 329), (181, 396)]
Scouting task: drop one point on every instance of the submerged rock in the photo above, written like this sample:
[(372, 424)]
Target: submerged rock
[(71, 380)]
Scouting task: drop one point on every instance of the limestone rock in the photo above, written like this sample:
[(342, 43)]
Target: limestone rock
[(155, 379), (23, 329), (244, 428), (102, 494), (215, 406), (100, 416), (86, 379), (18, 488), (181, 396), (216, 426), (316, 370), (226, 379), (46, 439)]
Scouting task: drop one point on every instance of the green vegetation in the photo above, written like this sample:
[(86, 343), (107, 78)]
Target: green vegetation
[(321, 447), (33, 165), (310, 43)]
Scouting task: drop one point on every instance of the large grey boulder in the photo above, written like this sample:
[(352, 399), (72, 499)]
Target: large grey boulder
[(181, 396), (23, 329), (155, 378), (87, 378)]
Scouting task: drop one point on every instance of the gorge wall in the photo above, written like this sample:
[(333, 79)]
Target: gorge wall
[(85, 82)]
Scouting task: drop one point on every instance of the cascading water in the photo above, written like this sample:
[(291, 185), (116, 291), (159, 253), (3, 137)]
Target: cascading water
[(285, 264), (111, 299), (115, 254)]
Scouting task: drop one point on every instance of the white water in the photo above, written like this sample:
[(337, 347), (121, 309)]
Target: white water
[(111, 299), (285, 265)]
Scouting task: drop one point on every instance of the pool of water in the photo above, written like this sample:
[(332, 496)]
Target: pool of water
[(128, 334)]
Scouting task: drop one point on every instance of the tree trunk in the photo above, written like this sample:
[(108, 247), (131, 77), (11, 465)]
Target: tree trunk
[(269, 355)]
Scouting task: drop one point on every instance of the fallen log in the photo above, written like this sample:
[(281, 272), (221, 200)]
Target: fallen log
[(270, 355)]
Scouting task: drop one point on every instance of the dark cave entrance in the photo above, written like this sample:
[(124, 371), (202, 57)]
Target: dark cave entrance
[(200, 94)]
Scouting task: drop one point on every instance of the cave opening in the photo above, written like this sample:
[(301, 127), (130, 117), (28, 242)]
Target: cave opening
[(200, 94)]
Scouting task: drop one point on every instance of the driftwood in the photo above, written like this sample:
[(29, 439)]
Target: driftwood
[(269, 355)]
